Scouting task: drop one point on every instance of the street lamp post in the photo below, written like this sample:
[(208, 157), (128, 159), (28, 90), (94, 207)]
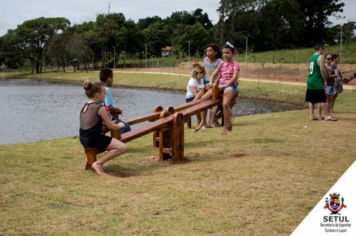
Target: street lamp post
[(189, 53), (340, 48), (146, 55), (114, 57), (246, 54)]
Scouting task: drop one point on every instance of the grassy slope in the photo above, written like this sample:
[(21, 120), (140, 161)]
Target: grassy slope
[(262, 179), (288, 54)]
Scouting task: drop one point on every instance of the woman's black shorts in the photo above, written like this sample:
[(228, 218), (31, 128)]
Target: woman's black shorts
[(315, 96), (100, 141)]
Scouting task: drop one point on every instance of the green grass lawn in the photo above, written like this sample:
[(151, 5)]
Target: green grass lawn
[(261, 179)]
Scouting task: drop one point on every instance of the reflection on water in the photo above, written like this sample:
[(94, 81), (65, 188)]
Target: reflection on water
[(34, 110)]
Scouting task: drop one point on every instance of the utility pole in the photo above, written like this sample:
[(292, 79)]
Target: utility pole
[(114, 57), (246, 55), (146, 55), (189, 53), (341, 48)]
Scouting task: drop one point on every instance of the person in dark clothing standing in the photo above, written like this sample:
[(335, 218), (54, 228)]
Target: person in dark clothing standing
[(316, 82)]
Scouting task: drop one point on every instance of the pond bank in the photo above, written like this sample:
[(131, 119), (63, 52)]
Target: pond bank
[(284, 93)]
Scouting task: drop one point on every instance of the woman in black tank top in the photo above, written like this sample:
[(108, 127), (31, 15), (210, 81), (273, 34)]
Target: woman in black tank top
[(92, 116)]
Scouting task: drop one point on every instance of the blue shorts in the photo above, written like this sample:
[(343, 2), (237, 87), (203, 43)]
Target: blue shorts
[(127, 126), (189, 99), (232, 87), (330, 90)]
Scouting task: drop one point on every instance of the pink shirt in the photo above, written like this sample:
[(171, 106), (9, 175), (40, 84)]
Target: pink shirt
[(227, 71)]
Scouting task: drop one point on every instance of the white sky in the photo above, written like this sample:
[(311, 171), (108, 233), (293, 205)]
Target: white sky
[(15, 12)]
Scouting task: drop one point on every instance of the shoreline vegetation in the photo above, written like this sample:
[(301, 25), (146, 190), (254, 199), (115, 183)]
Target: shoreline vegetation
[(263, 178)]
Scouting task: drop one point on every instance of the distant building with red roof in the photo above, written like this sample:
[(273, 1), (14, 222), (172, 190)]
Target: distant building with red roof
[(167, 51)]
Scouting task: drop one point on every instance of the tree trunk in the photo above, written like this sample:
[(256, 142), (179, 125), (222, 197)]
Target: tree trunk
[(102, 58), (234, 7), (232, 25), (92, 60), (37, 66), (105, 58), (222, 18)]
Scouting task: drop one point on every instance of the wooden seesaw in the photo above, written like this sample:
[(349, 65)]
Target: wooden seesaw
[(167, 127)]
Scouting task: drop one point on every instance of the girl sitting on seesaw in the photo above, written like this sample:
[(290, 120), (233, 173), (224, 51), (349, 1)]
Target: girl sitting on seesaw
[(211, 62), (229, 70), (92, 116), (194, 86)]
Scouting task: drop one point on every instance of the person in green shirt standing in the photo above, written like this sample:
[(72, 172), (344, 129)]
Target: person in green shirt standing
[(316, 82)]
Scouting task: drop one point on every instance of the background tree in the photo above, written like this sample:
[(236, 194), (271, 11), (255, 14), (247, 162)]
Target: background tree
[(145, 22), (33, 37), (222, 13), (156, 38), (198, 37), (58, 48), (315, 16)]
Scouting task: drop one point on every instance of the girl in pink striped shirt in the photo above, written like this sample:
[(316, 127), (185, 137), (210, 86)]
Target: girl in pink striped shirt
[(229, 70)]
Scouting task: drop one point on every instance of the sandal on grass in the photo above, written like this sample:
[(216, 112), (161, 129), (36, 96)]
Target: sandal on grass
[(229, 128), (331, 119), (216, 123)]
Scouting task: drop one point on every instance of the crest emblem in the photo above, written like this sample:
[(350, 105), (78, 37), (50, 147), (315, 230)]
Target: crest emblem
[(335, 204)]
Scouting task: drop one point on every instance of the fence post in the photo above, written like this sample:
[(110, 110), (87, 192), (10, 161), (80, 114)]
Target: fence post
[(280, 78), (179, 66)]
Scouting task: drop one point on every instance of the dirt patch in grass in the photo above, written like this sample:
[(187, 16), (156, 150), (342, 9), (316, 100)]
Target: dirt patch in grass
[(151, 158), (237, 155), (124, 174)]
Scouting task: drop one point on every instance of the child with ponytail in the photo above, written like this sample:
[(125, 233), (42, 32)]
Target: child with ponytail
[(92, 116)]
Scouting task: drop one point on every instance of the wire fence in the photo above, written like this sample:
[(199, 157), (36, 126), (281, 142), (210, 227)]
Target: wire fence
[(257, 68)]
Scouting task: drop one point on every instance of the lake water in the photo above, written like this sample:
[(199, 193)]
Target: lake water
[(35, 110)]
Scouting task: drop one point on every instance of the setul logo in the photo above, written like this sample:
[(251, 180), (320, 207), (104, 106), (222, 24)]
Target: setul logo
[(335, 206)]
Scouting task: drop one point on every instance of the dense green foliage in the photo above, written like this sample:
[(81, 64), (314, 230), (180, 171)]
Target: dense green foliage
[(268, 24), (279, 24)]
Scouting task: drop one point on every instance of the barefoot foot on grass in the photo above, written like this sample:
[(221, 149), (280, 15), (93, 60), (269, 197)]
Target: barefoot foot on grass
[(98, 169), (224, 132), (201, 126)]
